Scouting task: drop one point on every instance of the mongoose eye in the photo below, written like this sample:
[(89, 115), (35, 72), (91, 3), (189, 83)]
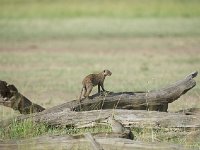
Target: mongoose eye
[(104, 71)]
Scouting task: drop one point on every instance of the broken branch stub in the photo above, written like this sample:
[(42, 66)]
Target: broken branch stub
[(10, 97)]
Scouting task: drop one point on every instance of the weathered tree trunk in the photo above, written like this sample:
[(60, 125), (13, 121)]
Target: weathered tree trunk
[(129, 118), (68, 142), (156, 100)]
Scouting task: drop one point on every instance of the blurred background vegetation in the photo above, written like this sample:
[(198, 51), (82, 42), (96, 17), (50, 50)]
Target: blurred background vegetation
[(98, 8), (60, 19)]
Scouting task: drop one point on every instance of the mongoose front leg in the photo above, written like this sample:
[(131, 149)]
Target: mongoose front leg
[(102, 86), (104, 91), (99, 90)]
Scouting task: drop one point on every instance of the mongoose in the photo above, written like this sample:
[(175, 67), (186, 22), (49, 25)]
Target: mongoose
[(117, 127), (93, 80)]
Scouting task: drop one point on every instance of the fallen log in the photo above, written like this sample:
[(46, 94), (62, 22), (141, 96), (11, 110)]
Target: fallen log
[(129, 118), (68, 142), (156, 100), (190, 111)]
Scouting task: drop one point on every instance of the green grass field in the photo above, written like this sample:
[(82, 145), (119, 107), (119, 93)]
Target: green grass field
[(98, 8), (47, 47), (40, 30)]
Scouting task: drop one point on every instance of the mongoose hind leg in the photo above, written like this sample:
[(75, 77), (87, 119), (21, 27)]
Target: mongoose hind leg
[(84, 91), (88, 91)]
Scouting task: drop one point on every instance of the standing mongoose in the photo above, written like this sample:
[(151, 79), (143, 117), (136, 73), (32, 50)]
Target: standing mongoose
[(93, 80)]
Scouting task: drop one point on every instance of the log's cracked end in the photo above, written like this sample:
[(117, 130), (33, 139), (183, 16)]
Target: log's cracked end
[(192, 75), (10, 97)]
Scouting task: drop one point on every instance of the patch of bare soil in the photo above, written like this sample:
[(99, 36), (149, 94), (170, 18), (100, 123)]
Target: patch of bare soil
[(166, 44)]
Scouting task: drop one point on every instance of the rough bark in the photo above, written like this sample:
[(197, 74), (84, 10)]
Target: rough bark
[(129, 118), (68, 142), (190, 111)]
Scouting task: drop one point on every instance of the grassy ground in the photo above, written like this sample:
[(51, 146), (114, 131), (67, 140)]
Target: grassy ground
[(47, 47), (29, 129)]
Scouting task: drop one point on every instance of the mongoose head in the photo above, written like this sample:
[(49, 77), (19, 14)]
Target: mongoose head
[(107, 72), (110, 119)]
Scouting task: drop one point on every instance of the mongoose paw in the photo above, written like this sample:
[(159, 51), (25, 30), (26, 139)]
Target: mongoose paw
[(107, 92), (88, 97), (101, 93), (104, 93)]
